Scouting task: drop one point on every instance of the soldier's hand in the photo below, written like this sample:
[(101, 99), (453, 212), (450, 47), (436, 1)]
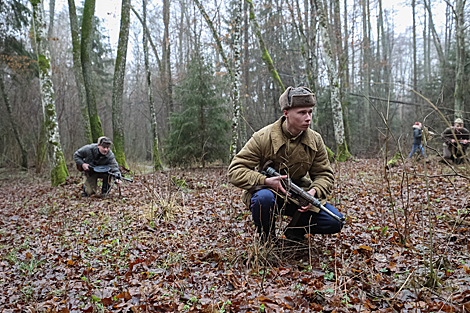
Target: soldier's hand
[(309, 206), (275, 183), (85, 166), (118, 181)]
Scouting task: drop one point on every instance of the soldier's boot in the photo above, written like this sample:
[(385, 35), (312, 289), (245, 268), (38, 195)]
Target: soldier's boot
[(105, 188), (295, 234), (84, 194)]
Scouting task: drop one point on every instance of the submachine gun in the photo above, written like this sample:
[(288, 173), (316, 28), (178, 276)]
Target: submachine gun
[(106, 169), (302, 196)]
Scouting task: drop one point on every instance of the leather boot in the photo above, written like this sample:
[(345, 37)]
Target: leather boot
[(105, 188), (84, 194)]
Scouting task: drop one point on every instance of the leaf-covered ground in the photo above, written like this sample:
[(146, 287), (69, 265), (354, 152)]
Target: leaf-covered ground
[(182, 241)]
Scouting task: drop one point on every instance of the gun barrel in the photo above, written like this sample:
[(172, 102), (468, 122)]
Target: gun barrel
[(299, 191), (118, 176)]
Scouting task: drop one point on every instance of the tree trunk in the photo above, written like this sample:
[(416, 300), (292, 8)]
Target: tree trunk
[(55, 155), (246, 60), (345, 80), (157, 163), (366, 72), (425, 49), (166, 76), (85, 48), (118, 84), (237, 82), (78, 73), (415, 62), (384, 61), (313, 59), (459, 93), (51, 19), (14, 126), (264, 51), (435, 37), (448, 29), (341, 145)]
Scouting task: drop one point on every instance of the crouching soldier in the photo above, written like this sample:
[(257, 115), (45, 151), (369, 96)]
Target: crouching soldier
[(456, 140), (293, 150), (92, 155)]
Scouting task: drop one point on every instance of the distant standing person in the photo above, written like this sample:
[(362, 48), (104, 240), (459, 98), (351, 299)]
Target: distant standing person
[(417, 135), (456, 139), (93, 155)]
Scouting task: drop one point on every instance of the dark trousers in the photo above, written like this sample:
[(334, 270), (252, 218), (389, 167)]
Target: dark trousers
[(265, 205), (91, 182), (458, 156)]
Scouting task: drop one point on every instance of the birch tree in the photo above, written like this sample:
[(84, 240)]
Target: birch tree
[(341, 145), (78, 73), (118, 84), (235, 76), (237, 82), (85, 50), (55, 155), (157, 163)]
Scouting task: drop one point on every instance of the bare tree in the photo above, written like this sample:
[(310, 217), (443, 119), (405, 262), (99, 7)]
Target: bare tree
[(341, 145)]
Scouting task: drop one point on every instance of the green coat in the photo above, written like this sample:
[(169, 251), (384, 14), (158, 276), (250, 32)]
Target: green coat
[(307, 166)]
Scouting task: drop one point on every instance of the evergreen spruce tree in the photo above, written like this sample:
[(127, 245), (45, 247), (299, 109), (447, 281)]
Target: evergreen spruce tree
[(199, 132)]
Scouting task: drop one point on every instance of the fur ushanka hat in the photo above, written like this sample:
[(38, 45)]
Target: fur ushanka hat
[(297, 97)]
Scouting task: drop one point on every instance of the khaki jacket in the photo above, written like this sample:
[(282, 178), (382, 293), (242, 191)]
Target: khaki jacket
[(307, 165)]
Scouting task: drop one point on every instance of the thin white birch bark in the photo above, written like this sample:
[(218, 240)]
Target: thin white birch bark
[(237, 81), (235, 75), (333, 78)]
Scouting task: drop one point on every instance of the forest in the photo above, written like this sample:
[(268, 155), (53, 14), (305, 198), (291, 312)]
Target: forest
[(180, 91)]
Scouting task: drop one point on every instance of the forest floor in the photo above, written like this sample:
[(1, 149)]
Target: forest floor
[(182, 241)]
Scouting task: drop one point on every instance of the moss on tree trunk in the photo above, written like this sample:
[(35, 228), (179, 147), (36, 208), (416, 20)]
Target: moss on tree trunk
[(118, 84), (343, 152), (55, 156)]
